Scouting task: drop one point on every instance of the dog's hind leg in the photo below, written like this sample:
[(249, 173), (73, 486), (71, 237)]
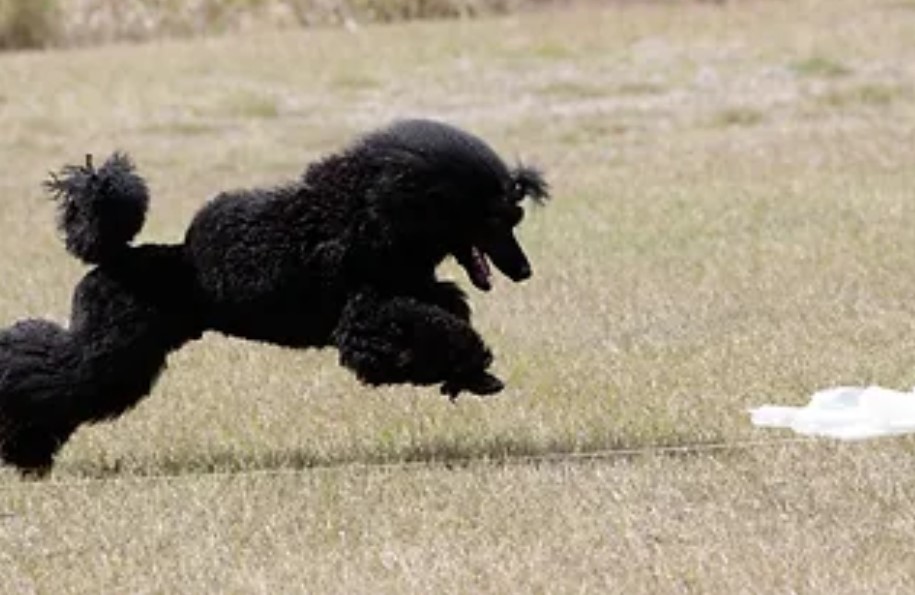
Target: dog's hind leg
[(39, 383), (52, 379), (404, 340)]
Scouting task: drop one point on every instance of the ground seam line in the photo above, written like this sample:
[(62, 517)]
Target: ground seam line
[(545, 458)]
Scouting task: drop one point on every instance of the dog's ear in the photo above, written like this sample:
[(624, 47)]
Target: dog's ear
[(528, 182)]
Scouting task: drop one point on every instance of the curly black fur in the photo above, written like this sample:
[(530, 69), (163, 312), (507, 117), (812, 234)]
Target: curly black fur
[(344, 257)]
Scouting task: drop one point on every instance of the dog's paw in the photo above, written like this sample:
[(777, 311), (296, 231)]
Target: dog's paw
[(481, 384)]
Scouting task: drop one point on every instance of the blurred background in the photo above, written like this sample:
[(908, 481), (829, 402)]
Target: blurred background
[(56, 23)]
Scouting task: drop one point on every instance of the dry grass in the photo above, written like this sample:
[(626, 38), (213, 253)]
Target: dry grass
[(55, 23), (732, 226), (801, 519)]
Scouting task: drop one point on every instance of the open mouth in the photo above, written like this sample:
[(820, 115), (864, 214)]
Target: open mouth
[(505, 255), (477, 267)]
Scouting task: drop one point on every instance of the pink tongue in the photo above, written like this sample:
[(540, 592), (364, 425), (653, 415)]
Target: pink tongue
[(479, 271)]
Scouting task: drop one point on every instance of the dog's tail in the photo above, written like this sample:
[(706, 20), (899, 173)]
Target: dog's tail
[(99, 210)]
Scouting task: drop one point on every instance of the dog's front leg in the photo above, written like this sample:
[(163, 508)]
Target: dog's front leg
[(391, 340), (446, 295)]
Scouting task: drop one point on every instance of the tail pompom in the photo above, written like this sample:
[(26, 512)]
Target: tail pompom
[(99, 210)]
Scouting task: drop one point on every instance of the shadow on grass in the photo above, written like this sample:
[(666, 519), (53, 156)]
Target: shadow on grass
[(499, 451)]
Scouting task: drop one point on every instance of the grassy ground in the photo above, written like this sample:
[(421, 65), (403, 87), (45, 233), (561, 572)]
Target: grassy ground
[(69, 23), (732, 227)]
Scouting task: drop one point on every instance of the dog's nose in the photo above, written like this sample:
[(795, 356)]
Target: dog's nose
[(522, 273)]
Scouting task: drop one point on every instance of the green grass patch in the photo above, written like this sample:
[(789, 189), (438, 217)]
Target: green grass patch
[(641, 88), (819, 66), (571, 89), (587, 130), (738, 116), (550, 50), (249, 105), (867, 95), (355, 82), (182, 128)]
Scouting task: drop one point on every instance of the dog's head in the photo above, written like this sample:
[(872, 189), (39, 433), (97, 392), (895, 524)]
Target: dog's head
[(448, 193), (491, 237)]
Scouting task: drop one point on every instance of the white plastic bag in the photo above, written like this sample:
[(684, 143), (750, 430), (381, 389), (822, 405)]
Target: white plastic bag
[(845, 412)]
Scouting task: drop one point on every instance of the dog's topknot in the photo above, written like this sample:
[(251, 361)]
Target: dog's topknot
[(99, 210), (435, 146), (529, 183)]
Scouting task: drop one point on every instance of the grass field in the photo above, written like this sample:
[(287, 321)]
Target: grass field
[(733, 226)]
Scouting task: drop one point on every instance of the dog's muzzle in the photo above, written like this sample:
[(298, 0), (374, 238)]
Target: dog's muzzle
[(504, 252)]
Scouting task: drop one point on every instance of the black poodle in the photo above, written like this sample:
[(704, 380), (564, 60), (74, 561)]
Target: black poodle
[(346, 257)]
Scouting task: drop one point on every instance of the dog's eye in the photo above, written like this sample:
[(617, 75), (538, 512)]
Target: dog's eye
[(518, 191)]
